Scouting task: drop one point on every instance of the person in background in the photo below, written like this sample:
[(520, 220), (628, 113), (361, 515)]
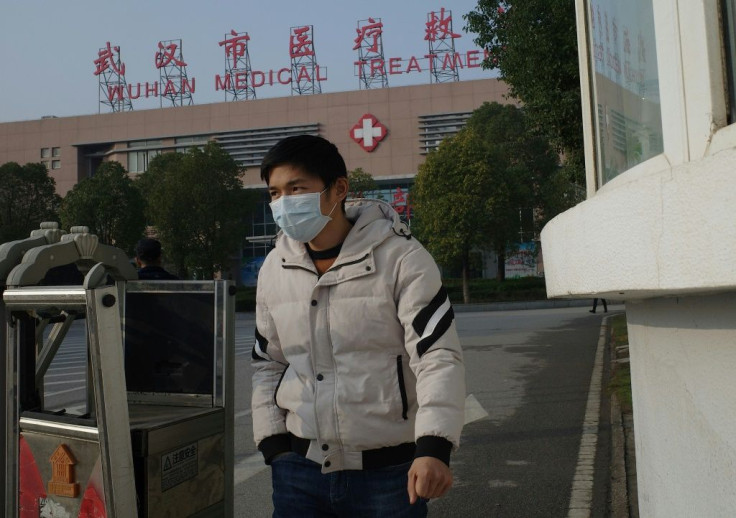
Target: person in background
[(359, 382), (595, 305), (148, 259)]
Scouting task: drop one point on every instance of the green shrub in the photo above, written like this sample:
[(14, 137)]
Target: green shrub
[(491, 290), (245, 298), (620, 382)]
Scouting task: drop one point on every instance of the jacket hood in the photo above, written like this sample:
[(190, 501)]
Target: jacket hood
[(362, 212), (373, 221)]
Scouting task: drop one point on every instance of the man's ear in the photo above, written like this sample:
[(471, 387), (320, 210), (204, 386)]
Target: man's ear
[(342, 187)]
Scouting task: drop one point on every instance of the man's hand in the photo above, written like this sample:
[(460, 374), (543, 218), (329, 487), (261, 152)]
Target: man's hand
[(428, 478)]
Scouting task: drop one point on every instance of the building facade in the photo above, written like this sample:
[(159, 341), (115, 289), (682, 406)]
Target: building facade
[(385, 131), (657, 231)]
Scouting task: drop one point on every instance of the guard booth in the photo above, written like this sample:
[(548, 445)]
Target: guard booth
[(118, 392)]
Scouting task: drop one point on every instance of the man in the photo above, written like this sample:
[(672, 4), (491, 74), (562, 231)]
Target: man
[(148, 259), (359, 384)]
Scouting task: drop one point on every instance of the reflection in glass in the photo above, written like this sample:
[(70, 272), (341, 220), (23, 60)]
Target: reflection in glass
[(729, 43), (628, 118)]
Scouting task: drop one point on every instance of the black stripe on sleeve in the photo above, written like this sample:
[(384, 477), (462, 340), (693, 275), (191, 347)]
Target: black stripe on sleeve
[(422, 318), (259, 348), (439, 330)]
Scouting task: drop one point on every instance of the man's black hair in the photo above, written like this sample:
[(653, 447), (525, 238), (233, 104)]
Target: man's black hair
[(148, 250), (314, 155)]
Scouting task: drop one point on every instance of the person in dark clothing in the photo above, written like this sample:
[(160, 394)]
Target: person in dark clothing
[(595, 304), (148, 259)]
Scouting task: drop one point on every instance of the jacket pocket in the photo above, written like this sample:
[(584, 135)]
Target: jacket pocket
[(402, 387), (278, 386)]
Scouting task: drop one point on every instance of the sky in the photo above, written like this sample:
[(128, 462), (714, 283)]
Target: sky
[(48, 47)]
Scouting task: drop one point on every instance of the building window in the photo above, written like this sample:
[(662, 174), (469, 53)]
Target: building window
[(142, 152), (185, 143), (45, 164), (45, 152), (433, 129), (55, 151), (56, 164), (248, 147), (625, 85), (138, 160)]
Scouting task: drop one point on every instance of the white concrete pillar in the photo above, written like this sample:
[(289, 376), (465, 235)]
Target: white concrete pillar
[(683, 361)]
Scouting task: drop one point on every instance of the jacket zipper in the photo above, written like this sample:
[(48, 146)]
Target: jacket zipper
[(295, 267), (278, 386), (348, 264), (402, 388)]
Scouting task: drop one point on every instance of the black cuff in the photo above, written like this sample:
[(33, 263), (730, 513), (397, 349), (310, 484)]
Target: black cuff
[(273, 445), (431, 446)]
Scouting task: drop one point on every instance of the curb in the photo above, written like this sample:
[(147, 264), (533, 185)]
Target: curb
[(619, 490), (521, 305), (624, 497), (631, 483)]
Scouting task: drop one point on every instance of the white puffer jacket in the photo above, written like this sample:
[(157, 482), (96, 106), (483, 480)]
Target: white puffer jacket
[(364, 357)]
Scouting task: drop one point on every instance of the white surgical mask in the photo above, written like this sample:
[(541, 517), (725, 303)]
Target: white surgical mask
[(299, 215)]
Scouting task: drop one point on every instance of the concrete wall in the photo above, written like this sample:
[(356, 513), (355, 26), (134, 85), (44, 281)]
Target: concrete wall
[(683, 360), (662, 237), (656, 230)]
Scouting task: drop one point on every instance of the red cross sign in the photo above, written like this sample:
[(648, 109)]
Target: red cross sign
[(368, 132)]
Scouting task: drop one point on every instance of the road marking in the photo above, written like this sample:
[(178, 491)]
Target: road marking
[(67, 382), (502, 483), (57, 392), (581, 497), (249, 467), (473, 410), (52, 373)]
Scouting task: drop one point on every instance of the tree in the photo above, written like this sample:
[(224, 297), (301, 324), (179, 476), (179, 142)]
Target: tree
[(109, 204), (27, 197), (533, 44), (468, 193), (530, 155), (197, 204), (360, 182)]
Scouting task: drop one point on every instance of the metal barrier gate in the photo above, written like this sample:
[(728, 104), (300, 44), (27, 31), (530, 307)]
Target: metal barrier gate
[(151, 433)]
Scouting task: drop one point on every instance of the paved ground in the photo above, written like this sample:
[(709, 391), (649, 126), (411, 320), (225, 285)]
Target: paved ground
[(528, 380)]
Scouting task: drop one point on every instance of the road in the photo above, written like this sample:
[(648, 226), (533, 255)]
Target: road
[(528, 376)]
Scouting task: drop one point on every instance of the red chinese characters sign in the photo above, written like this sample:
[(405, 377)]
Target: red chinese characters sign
[(106, 59), (438, 27), (300, 43), (236, 46), (401, 204), (369, 33), (166, 54)]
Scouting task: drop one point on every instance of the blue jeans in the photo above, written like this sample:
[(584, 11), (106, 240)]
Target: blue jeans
[(300, 490)]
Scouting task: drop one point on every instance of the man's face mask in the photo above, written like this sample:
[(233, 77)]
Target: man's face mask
[(299, 215)]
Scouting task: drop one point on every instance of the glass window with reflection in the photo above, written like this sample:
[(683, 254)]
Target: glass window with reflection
[(628, 118), (729, 36)]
